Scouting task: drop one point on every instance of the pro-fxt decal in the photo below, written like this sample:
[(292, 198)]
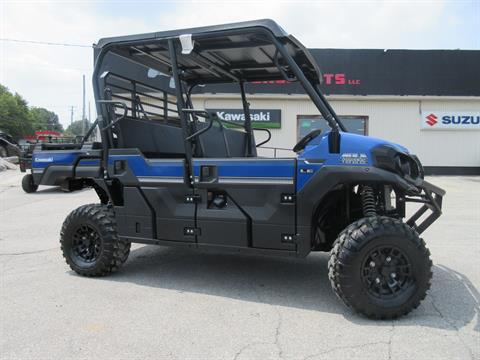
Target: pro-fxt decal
[(354, 158)]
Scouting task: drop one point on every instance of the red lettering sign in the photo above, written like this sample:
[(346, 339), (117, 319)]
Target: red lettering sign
[(328, 79)]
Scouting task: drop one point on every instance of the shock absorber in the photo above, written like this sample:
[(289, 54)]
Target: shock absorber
[(368, 201)]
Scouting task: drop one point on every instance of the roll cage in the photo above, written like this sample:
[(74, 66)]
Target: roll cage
[(233, 53)]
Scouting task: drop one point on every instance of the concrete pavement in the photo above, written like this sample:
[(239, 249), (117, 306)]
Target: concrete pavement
[(170, 303)]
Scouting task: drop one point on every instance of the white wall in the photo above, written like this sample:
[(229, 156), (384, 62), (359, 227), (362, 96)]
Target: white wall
[(397, 119)]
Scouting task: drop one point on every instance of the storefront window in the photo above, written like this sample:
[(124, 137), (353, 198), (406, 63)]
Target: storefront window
[(307, 123)]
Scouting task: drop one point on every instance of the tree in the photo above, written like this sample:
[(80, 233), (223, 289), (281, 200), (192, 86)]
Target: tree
[(44, 119), (15, 117), (76, 128)]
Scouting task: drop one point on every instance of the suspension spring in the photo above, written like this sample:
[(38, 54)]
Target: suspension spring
[(368, 201)]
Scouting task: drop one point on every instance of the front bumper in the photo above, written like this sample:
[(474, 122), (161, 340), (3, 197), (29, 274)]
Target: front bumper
[(431, 196)]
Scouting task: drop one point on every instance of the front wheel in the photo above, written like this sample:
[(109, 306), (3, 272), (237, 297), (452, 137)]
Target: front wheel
[(380, 267), (90, 243)]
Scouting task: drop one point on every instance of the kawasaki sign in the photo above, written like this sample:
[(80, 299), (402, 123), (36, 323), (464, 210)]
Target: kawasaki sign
[(261, 118), (453, 120)]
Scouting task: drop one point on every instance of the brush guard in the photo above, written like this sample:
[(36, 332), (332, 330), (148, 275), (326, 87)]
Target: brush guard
[(431, 196)]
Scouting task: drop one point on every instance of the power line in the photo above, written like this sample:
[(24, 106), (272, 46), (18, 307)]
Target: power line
[(45, 43)]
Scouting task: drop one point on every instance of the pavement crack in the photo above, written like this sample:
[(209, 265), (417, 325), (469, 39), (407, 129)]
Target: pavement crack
[(27, 252), (390, 339), (276, 341), (277, 333), (239, 352), (345, 348)]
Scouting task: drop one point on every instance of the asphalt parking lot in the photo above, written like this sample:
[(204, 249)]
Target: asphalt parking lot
[(168, 303)]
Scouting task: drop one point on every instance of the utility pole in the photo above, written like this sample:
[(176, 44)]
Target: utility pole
[(89, 117), (83, 109), (71, 115)]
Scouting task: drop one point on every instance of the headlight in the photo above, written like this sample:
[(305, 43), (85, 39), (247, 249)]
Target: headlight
[(408, 166), (405, 165)]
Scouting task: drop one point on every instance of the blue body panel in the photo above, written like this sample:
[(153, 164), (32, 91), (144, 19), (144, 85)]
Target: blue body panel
[(242, 167), (300, 170), (43, 159), (158, 167), (352, 145), (249, 167)]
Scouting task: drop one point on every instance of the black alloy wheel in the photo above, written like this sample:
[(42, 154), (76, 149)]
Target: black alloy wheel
[(86, 244), (387, 272)]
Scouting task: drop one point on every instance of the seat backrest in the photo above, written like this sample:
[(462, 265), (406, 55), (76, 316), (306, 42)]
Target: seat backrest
[(212, 142), (221, 142), (237, 143), (152, 138)]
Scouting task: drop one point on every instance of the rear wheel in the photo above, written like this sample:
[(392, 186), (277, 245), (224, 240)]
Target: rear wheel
[(380, 267), (28, 185), (90, 243)]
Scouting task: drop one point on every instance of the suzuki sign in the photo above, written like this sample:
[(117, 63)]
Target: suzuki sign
[(453, 120), (261, 118)]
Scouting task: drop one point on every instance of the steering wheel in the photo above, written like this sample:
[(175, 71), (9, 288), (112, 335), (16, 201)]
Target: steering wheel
[(306, 139)]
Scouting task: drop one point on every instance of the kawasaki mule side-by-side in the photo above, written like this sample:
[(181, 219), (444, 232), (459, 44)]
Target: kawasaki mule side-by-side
[(69, 164), (180, 176)]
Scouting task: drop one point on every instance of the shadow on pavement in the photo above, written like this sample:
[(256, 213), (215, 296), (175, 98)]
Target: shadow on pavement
[(298, 283), (455, 297)]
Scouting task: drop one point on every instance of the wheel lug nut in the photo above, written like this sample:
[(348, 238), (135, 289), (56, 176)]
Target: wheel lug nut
[(388, 259), (377, 280), (372, 264)]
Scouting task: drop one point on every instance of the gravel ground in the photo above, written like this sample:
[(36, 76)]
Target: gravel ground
[(171, 303)]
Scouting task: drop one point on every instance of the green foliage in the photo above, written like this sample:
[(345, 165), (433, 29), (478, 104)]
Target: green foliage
[(15, 116), (45, 120), (76, 128), (18, 120)]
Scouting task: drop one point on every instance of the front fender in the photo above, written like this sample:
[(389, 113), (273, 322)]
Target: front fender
[(324, 181)]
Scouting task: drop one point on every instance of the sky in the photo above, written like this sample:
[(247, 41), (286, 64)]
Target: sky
[(51, 76)]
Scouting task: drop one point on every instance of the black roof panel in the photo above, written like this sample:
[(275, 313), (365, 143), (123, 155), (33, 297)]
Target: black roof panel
[(265, 23), (223, 53)]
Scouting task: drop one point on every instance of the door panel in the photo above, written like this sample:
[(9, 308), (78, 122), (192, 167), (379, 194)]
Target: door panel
[(160, 197), (173, 215), (255, 214), (134, 218), (220, 220)]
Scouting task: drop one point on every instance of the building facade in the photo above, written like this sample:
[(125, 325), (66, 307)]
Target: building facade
[(426, 100)]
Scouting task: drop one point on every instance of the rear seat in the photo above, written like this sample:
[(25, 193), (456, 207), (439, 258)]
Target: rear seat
[(159, 140), (152, 138)]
